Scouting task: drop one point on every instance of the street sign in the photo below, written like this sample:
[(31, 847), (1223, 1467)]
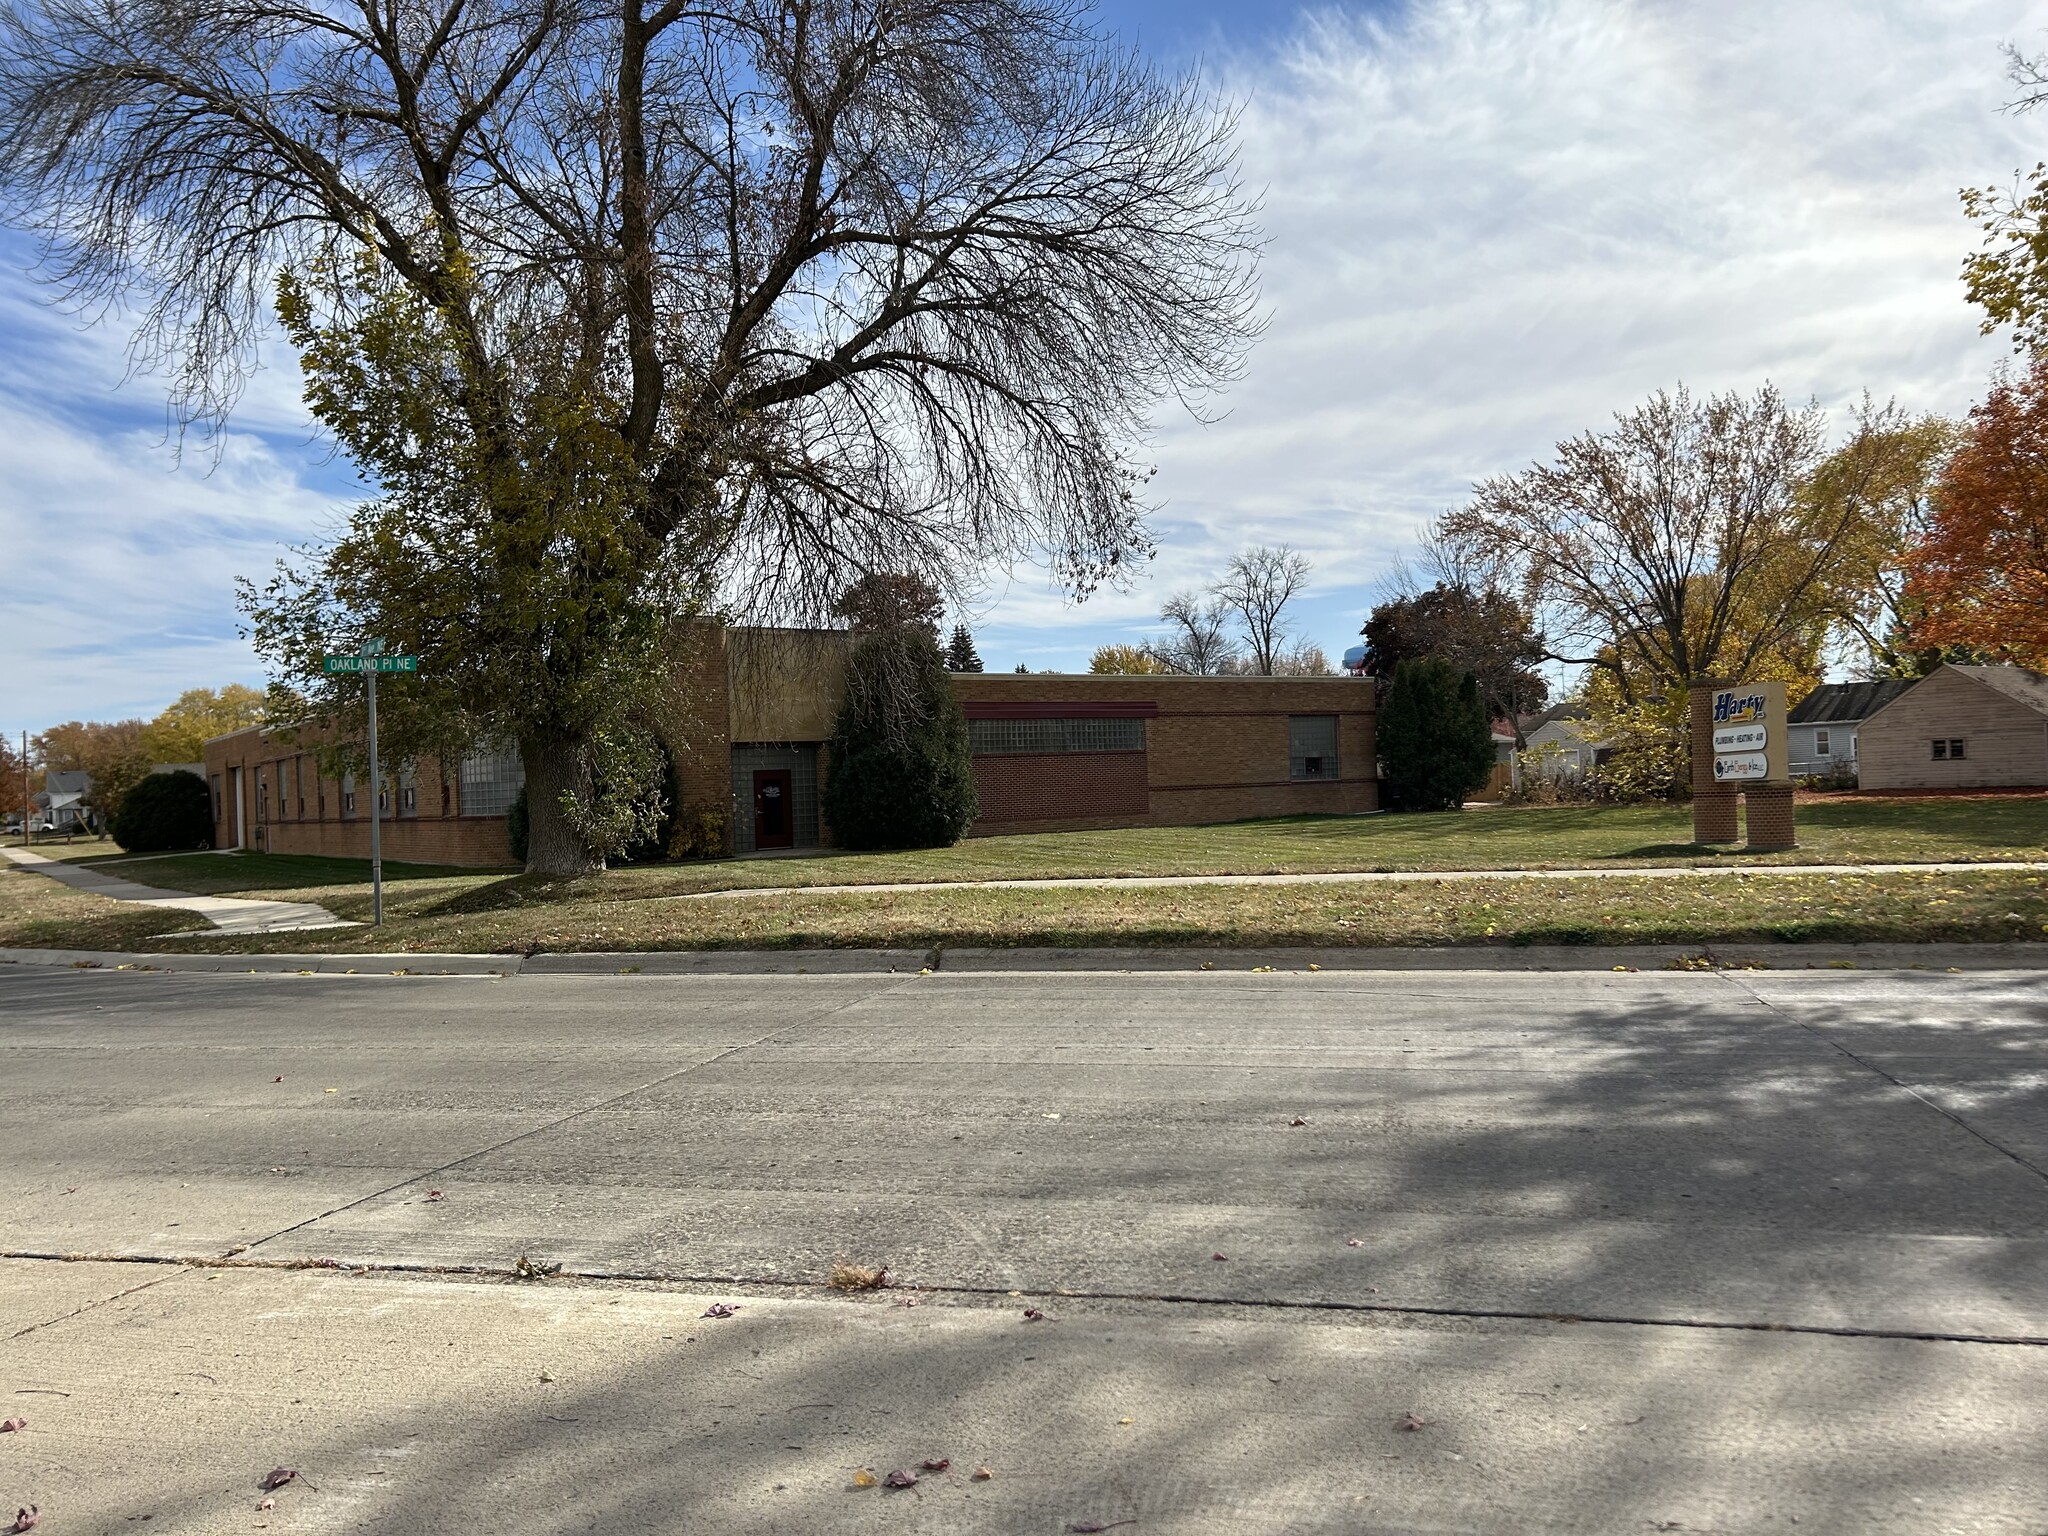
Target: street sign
[(370, 664)]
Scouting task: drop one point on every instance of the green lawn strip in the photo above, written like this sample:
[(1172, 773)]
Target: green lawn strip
[(1972, 907), (38, 913)]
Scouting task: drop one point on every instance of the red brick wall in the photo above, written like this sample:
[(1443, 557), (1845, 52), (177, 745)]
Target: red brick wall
[(437, 834)]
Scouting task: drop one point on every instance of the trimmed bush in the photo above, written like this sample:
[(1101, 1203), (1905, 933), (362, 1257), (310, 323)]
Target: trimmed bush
[(165, 813), (1435, 742), (900, 772)]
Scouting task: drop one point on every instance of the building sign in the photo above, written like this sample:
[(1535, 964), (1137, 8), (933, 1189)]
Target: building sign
[(1749, 734)]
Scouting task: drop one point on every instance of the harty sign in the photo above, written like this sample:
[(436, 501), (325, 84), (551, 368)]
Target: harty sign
[(1742, 765), (1734, 707), (1740, 738)]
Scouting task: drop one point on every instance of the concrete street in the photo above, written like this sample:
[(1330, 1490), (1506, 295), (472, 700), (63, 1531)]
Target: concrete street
[(1746, 1251)]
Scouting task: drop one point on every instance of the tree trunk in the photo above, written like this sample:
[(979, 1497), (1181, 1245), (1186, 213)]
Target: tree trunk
[(556, 767)]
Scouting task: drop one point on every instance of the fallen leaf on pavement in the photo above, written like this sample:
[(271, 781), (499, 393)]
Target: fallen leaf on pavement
[(847, 1276), (901, 1477), (26, 1519), (1297, 1120), (864, 1478), (1033, 1315), (1220, 1258), (1127, 1419), (277, 1079), (1354, 1242), (9, 1426), (435, 1194), (938, 1463), (263, 1504), (524, 1268), (547, 1375), (722, 1309), (982, 1474), (1413, 1421), (277, 1478), (1091, 1527), (909, 1301)]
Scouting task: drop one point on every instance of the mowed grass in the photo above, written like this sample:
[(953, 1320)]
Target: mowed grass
[(432, 908), (1685, 909)]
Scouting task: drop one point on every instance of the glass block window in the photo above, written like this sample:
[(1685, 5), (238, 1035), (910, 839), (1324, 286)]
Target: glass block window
[(800, 760), (1312, 746), (490, 782), (408, 791), (348, 794), (996, 737)]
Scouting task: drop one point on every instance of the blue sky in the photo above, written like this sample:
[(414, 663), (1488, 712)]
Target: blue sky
[(1492, 224)]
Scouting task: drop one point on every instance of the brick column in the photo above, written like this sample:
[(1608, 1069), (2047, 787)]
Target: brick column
[(1713, 805), (1770, 817)]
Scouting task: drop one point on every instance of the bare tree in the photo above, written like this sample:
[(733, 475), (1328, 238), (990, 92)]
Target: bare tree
[(1256, 590), (631, 309), (1198, 643), (1682, 544)]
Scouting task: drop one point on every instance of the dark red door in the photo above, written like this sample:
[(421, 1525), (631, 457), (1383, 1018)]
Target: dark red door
[(772, 825)]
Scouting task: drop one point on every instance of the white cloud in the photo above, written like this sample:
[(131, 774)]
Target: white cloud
[(1494, 223)]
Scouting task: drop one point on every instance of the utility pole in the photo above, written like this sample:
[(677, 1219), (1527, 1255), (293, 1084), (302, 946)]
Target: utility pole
[(24, 789)]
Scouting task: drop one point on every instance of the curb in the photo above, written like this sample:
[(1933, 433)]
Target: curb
[(1000, 962)]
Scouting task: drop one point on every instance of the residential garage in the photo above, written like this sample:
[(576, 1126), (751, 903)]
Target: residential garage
[(1959, 728)]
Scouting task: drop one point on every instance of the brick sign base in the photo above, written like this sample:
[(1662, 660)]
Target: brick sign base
[(1714, 817)]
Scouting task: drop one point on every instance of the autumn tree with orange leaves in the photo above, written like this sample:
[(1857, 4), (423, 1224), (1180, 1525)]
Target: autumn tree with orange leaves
[(1980, 576)]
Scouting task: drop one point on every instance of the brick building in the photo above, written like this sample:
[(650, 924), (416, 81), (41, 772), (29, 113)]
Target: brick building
[(1051, 753)]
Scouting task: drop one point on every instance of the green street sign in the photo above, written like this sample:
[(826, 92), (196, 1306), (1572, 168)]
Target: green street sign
[(370, 663)]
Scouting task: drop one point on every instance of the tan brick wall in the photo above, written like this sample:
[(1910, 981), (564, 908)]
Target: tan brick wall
[(1047, 787), (1216, 751), (2006, 742)]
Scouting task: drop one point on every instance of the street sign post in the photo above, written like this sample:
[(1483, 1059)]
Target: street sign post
[(370, 661)]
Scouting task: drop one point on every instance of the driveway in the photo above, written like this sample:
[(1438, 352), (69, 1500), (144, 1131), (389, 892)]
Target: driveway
[(1702, 1252)]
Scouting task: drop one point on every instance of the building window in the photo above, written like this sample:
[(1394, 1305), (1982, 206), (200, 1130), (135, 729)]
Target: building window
[(1823, 744), (994, 738), (262, 796), (1312, 746), (216, 799), (490, 782), (1948, 749), (348, 794)]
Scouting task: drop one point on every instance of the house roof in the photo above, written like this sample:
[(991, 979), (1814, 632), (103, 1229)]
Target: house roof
[(1570, 710), (1847, 703), (67, 781), (2023, 685)]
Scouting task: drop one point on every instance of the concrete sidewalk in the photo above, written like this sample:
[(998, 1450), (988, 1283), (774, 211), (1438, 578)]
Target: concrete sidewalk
[(1361, 877), (230, 914)]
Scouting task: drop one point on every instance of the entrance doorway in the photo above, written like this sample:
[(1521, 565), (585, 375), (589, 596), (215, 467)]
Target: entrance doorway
[(773, 825)]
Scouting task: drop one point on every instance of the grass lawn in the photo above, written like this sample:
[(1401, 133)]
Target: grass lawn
[(429, 915)]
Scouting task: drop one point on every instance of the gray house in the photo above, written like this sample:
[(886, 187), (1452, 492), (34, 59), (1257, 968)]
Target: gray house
[(1821, 729)]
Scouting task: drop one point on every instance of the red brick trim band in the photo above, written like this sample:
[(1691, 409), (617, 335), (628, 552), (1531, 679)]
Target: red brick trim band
[(1167, 789), (1100, 709)]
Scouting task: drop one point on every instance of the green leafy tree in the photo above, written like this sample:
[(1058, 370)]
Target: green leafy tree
[(111, 751), (635, 311), (961, 656), (1435, 743), (900, 772), (165, 813)]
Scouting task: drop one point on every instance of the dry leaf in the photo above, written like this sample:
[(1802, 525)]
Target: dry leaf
[(277, 1079), (864, 1478), (982, 1474), (1090, 1527), (277, 1478), (1218, 1257), (9, 1426), (435, 1194), (722, 1309), (26, 1519), (901, 1477), (1354, 1242), (1413, 1421), (848, 1276), (263, 1504), (1033, 1315), (1126, 1420), (1297, 1120), (938, 1463)]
